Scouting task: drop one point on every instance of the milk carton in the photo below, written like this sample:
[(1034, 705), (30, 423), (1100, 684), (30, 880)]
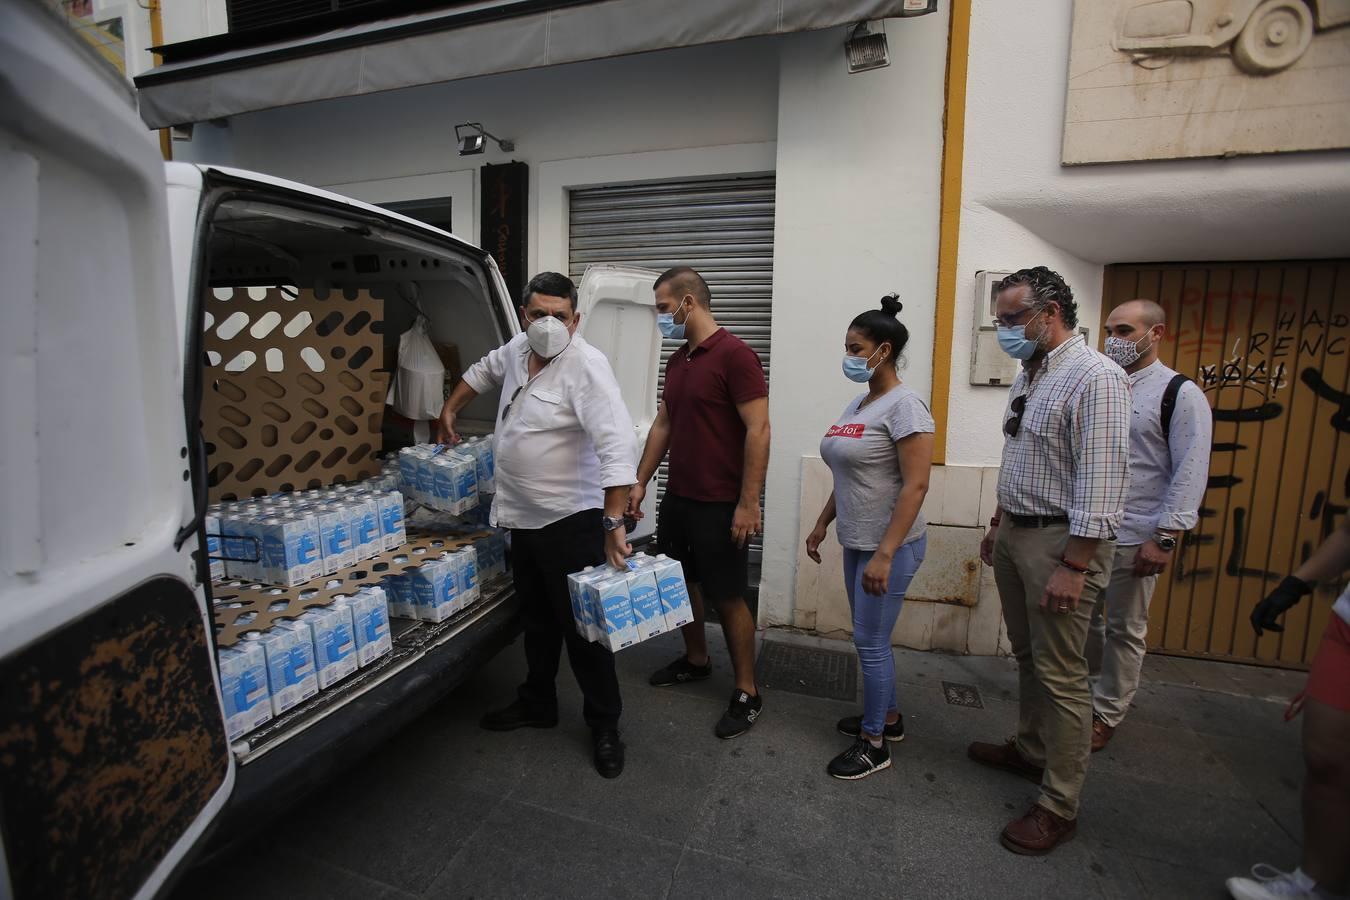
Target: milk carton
[(407, 473), (674, 592), (586, 607), (465, 469), (393, 531), (331, 630), (370, 620), (367, 539), (644, 595), (290, 549), (335, 536), (241, 546), (466, 562), (436, 586), (399, 591), (612, 608), (215, 546), (486, 459), (243, 688), (291, 678)]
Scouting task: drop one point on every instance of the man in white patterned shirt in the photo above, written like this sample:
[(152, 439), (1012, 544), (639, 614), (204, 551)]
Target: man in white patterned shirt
[(1170, 429), (1061, 490)]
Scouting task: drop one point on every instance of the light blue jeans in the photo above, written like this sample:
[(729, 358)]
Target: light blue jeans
[(873, 621)]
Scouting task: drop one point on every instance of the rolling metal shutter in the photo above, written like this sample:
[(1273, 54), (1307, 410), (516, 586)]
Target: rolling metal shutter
[(723, 227)]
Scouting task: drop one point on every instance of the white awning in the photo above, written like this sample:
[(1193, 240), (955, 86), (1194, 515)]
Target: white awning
[(466, 41)]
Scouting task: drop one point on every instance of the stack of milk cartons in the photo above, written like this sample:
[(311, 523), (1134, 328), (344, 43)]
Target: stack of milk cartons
[(440, 587), (485, 458), (215, 544), (243, 688), (619, 609), (370, 622), (291, 674), (439, 477)]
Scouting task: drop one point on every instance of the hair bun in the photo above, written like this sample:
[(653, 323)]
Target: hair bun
[(891, 305)]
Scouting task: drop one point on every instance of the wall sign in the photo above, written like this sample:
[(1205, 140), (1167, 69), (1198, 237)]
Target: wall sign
[(506, 190)]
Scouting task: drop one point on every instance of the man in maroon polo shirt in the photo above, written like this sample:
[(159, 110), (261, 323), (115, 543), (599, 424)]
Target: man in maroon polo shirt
[(714, 421)]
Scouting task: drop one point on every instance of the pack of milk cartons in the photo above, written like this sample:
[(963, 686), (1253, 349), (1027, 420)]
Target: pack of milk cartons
[(243, 688), (215, 544), (439, 477), (335, 537), (619, 609), (402, 600), (370, 623), (332, 632), (291, 675), (485, 458), (393, 529), (290, 548)]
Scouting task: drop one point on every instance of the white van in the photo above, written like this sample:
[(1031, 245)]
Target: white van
[(114, 763)]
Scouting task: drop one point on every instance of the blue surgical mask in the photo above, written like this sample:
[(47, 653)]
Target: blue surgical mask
[(856, 368), (669, 330), (1015, 342)]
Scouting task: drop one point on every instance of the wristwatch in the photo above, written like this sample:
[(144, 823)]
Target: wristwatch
[(1165, 541), (612, 523)]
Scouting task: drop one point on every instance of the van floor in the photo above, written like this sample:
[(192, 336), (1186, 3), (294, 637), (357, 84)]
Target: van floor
[(1199, 783)]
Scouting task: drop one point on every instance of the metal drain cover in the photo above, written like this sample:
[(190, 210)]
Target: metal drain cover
[(962, 695), (831, 674)]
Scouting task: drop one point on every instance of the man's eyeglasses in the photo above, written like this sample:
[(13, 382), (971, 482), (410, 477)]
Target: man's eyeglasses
[(506, 412), (1013, 425)]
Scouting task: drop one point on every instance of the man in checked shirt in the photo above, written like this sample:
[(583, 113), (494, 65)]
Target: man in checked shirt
[(1061, 492)]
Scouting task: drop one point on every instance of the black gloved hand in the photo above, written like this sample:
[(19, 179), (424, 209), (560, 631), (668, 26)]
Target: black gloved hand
[(1287, 593)]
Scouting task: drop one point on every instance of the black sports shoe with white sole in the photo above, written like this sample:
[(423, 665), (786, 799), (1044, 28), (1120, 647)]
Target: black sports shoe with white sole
[(860, 760), (740, 715), (681, 671), (893, 731)]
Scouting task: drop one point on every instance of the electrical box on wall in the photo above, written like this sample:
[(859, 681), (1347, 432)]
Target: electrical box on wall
[(989, 365)]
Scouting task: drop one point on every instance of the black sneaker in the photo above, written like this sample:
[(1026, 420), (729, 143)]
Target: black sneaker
[(893, 732), (681, 671), (740, 715), (608, 753), (860, 760), (518, 715)]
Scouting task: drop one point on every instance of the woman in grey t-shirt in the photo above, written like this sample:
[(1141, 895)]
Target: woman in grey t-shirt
[(879, 452)]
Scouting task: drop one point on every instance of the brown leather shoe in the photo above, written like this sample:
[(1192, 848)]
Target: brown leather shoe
[(1005, 757), (1101, 733), (1038, 832)]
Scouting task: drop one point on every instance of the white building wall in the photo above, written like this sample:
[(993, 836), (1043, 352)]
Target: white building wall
[(859, 178)]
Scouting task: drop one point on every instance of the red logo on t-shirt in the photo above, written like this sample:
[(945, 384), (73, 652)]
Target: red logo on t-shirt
[(851, 431)]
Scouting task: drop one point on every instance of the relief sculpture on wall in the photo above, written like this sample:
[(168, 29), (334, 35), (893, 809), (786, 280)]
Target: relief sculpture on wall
[(1169, 79)]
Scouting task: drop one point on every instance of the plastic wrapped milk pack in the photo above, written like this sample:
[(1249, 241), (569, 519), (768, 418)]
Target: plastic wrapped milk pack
[(289, 539), (617, 609), (440, 585), (441, 477)]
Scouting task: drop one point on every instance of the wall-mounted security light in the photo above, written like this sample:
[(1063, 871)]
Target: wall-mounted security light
[(866, 48), (472, 139)]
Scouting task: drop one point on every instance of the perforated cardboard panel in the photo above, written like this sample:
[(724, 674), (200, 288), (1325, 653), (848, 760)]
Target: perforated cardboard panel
[(235, 600), (292, 399)]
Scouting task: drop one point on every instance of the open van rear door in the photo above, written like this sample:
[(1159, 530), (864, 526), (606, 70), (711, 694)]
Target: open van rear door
[(113, 757), (618, 316)]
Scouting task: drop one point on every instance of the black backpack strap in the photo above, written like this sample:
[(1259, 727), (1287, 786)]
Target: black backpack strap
[(1169, 404)]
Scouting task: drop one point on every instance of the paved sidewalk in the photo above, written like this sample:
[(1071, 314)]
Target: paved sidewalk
[(1200, 782)]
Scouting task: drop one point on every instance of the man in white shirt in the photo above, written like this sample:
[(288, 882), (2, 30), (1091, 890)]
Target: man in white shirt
[(1170, 429), (566, 456)]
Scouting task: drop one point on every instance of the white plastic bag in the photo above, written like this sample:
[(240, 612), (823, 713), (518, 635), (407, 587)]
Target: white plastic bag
[(418, 390)]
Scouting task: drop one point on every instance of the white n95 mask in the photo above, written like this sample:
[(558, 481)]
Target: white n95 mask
[(548, 336)]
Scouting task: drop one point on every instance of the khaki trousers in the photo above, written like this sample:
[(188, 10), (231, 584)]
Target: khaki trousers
[(1054, 725), (1118, 637)]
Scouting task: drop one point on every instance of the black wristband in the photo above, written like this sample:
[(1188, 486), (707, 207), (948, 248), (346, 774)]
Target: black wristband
[(1297, 585)]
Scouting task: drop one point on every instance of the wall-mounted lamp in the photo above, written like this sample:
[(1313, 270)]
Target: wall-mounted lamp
[(472, 135), (866, 47)]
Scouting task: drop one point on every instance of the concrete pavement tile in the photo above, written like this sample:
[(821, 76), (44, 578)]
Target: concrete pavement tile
[(1172, 823), (1271, 773), (1152, 753), (268, 872), (396, 826), (522, 851), (673, 720), (659, 794), (1223, 715), (1168, 881), (704, 875)]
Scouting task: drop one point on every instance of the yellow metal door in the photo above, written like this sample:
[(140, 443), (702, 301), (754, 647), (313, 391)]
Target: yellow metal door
[(1270, 345)]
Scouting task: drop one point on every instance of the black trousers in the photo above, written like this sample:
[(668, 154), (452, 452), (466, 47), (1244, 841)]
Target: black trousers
[(541, 560)]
